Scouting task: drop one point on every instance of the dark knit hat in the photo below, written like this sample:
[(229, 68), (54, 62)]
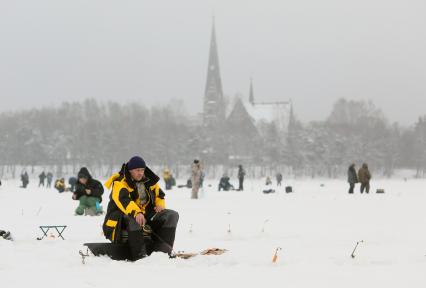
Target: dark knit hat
[(83, 173), (136, 162)]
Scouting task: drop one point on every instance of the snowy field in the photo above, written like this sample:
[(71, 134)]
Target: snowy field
[(317, 228)]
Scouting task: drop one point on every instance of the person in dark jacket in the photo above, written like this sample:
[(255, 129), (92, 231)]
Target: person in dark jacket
[(49, 178), (5, 235), (279, 178), (224, 183), (25, 179), (241, 175), (89, 192), (137, 206), (352, 178), (73, 182), (364, 177), (42, 177)]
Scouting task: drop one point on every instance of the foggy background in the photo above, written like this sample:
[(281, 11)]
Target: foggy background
[(312, 52)]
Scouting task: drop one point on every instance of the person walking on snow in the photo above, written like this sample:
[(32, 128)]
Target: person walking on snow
[(364, 177), (279, 178), (352, 178), (42, 177), (196, 175), (49, 178)]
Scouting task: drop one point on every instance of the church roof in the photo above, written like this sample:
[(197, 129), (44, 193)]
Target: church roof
[(274, 112), (257, 113)]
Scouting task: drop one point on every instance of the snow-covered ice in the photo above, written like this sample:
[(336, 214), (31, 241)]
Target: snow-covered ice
[(317, 228)]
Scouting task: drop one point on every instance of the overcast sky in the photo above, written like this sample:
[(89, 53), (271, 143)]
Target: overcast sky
[(152, 51)]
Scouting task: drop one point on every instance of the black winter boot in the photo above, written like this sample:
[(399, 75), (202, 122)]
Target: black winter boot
[(164, 240), (136, 245)]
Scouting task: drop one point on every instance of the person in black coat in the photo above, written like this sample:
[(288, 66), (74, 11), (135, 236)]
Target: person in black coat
[(352, 178), (49, 177), (6, 235), (224, 183), (279, 178), (42, 177), (89, 192), (25, 179), (73, 182), (241, 175)]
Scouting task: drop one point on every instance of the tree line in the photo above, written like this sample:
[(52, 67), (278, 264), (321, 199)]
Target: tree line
[(94, 134)]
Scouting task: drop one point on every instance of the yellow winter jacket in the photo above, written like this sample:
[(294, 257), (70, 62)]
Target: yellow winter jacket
[(166, 174), (124, 200)]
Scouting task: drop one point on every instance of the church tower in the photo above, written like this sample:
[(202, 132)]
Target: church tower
[(214, 106), (251, 93)]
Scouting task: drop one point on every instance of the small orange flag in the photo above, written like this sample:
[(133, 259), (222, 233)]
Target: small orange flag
[(275, 257)]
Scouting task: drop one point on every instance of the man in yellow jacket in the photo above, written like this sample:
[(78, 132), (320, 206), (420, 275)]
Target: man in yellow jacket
[(167, 176), (137, 206)]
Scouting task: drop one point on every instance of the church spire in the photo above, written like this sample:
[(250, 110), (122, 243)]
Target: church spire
[(214, 110), (251, 95), (292, 119)]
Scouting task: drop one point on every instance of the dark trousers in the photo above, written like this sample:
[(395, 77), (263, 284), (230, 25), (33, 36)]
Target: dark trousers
[(366, 187), (135, 238), (225, 187), (241, 183), (351, 188), (163, 225), (168, 184)]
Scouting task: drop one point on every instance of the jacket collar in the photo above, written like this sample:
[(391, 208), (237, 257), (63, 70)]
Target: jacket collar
[(149, 179)]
